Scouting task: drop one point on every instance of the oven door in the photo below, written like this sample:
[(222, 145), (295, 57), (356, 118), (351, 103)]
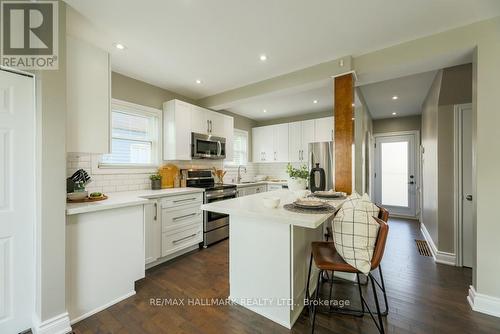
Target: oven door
[(214, 220), (207, 147)]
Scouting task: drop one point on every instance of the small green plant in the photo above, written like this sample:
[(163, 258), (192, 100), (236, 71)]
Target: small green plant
[(298, 173), (155, 177)]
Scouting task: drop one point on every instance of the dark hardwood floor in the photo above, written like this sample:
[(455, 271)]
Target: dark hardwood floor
[(424, 297)]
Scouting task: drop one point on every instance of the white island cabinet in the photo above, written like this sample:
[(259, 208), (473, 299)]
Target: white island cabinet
[(269, 252)]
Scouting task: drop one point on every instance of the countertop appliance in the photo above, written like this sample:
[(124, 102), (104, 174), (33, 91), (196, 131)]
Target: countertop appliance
[(207, 146), (322, 153), (215, 224)]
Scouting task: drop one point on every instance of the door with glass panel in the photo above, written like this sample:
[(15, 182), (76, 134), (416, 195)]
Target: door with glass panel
[(396, 174)]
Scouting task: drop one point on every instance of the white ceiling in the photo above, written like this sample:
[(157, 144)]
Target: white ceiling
[(288, 103), (410, 90), (172, 43)]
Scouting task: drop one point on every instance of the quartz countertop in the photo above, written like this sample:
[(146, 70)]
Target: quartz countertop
[(252, 206), (126, 198)]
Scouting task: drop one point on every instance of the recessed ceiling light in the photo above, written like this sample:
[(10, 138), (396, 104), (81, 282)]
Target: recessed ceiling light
[(120, 46), (264, 110), (315, 101), (263, 57), (198, 81), (394, 113), (395, 97)]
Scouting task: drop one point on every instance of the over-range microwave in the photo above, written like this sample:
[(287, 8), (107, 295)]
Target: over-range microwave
[(207, 146)]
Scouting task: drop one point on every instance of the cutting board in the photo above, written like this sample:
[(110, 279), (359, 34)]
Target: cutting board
[(168, 173)]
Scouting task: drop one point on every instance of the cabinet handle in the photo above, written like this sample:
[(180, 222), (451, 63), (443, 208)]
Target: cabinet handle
[(156, 212), (211, 127), (274, 156), (208, 126), (181, 239), (185, 216), (184, 200)]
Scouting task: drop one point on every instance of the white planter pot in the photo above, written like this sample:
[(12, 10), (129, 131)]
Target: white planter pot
[(295, 184)]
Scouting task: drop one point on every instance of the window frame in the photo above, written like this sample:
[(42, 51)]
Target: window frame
[(98, 167), (232, 163)]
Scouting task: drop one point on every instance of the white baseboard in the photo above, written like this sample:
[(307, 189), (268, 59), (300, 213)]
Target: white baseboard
[(439, 256), (483, 303), (57, 325), (103, 307)]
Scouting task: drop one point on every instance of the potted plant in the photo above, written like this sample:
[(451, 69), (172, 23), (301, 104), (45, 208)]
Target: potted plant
[(155, 181), (297, 177)]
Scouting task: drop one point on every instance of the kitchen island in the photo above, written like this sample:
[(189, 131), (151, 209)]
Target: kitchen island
[(269, 253)]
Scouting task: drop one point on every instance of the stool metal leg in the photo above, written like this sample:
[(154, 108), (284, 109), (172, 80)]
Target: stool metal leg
[(308, 297), (383, 290), (316, 299), (380, 324), (330, 294), (360, 294)]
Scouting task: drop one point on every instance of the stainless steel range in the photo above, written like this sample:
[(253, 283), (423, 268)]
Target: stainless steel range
[(215, 225)]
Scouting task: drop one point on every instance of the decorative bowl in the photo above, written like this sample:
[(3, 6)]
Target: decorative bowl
[(78, 195), (271, 202)]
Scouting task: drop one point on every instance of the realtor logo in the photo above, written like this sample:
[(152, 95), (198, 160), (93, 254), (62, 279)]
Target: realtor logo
[(29, 35)]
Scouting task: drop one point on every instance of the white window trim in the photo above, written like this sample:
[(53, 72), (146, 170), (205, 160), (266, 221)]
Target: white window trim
[(100, 168), (231, 163)]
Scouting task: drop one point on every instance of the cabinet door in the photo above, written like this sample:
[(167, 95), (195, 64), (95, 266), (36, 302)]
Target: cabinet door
[(307, 137), (250, 191), (88, 85), (261, 189), (152, 232), (228, 134), (257, 144), (294, 142), (199, 120), (323, 129), (216, 125), (280, 142), (267, 143), (176, 130)]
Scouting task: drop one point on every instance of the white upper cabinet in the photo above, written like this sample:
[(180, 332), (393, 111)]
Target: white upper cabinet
[(207, 122), (199, 120), (180, 119), (300, 134), (280, 142), (176, 130), (270, 143), (88, 84), (216, 122), (323, 129)]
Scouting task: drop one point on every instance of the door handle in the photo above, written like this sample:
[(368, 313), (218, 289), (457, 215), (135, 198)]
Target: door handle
[(468, 197)]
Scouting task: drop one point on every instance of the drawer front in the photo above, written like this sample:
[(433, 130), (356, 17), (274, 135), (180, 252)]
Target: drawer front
[(175, 218), (182, 238), (173, 201), (260, 189), (272, 187)]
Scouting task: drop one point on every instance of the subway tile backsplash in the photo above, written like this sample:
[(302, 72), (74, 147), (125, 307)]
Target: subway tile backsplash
[(138, 181)]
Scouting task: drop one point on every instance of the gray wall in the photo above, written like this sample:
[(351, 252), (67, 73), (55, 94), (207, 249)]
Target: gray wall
[(408, 123), (455, 87), (429, 163)]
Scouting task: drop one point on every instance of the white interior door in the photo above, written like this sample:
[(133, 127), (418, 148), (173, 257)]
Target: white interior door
[(467, 204), (396, 174), (17, 201)]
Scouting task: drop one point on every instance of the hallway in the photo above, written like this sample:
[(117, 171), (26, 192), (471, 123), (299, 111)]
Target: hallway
[(424, 297)]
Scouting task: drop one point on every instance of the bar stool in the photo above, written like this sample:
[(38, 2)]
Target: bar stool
[(383, 215), (326, 258)]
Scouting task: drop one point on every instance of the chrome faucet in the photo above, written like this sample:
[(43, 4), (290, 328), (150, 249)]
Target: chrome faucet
[(240, 167)]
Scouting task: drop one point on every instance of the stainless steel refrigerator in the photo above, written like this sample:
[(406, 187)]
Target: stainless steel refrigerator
[(322, 153)]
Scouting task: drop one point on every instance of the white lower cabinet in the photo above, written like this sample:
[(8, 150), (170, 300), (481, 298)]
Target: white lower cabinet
[(250, 190), (176, 240), (172, 224), (152, 232)]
